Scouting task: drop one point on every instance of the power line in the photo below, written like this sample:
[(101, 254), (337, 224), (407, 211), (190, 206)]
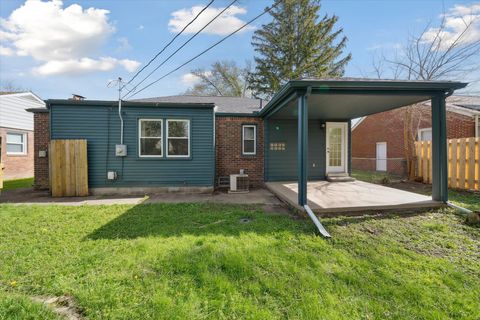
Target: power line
[(171, 41), (183, 45), (206, 50)]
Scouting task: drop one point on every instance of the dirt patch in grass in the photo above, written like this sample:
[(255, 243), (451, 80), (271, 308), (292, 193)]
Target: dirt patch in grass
[(64, 306)]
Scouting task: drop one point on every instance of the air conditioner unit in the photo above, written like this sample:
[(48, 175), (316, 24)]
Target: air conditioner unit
[(238, 183)]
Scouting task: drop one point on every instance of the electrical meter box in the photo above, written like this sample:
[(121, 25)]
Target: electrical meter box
[(121, 150)]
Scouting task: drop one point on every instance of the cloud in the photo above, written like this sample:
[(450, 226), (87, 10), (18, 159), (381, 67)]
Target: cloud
[(83, 65), (191, 79), (387, 45), (54, 35), (456, 20), (5, 51), (123, 44), (223, 25)]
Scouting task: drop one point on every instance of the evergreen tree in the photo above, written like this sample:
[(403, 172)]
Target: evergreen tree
[(296, 44)]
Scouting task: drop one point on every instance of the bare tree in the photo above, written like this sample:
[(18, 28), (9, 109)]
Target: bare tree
[(10, 86), (436, 53), (224, 78)]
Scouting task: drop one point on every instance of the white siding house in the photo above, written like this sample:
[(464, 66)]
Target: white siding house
[(16, 133)]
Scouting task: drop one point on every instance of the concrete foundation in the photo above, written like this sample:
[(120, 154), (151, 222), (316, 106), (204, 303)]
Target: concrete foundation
[(148, 190)]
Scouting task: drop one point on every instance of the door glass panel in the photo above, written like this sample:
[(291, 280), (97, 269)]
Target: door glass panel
[(335, 146)]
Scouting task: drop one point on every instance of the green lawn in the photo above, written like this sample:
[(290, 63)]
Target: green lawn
[(374, 176), (201, 261), (17, 184)]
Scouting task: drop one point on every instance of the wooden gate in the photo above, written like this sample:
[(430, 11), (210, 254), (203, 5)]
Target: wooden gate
[(68, 168), (463, 162)]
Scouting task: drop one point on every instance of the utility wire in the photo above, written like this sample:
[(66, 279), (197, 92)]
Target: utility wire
[(206, 50), (183, 45), (168, 44)]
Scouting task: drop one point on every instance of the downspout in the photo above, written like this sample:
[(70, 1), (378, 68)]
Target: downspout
[(461, 209), (309, 211), (317, 222)]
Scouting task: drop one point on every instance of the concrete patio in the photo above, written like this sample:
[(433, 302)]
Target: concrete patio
[(343, 197)]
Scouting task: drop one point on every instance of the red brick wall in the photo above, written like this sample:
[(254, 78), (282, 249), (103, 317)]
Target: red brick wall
[(388, 127), (17, 166), (458, 125), (229, 158), (41, 122)]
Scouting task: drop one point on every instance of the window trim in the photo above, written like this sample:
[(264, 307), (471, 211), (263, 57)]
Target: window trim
[(24, 144), (254, 139), (420, 131), (140, 138), (188, 137)]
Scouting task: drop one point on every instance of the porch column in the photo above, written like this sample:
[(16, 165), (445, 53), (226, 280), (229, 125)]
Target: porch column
[(302, 152), (439, 149)]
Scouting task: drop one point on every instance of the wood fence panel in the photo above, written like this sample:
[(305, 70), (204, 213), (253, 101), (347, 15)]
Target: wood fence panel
[(453, 174), (69, 168), (463, 162), (471, 164)]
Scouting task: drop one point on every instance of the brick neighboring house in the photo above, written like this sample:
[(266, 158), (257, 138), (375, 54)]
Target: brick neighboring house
[(378, 140), (16, 133)]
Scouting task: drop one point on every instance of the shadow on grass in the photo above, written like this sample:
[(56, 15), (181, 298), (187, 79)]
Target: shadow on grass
[(167, 220)]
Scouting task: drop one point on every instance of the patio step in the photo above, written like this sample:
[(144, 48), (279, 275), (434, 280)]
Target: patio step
[(339, 177)]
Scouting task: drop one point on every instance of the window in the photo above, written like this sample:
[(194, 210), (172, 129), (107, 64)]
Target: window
[(425, 134), (249, 137), (178, 138), (150, 142), (16, 143)]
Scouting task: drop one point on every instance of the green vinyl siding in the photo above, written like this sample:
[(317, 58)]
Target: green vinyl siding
[(282, 165), (100, 125)]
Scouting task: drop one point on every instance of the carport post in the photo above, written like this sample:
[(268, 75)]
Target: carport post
[(302, 152), (439, 150)]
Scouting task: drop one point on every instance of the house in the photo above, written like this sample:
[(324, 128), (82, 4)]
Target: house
[(16, 133), (184, 143), (378, 141)]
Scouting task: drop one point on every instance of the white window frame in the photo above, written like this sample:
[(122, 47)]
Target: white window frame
[(168, 138), (23, 144), (254, 139), (420, 131), (140, 139)]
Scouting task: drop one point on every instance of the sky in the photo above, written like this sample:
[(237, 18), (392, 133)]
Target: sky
[(58, 48)]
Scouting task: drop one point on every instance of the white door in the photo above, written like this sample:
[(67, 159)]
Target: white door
[(336, 147), (381, 156)]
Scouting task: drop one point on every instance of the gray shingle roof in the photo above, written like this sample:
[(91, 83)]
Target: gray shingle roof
[(469, 102), (223, 104)]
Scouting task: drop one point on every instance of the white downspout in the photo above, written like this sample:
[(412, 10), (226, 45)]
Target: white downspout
[(477, 129), (317, 222)]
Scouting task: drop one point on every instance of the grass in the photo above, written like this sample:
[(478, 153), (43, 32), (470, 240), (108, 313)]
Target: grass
[(202, 261), (374, 176), (17, 184)]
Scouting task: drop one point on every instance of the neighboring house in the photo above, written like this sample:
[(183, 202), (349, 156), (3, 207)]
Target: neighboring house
[(16, 133), (378, 142), (187, 142)]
